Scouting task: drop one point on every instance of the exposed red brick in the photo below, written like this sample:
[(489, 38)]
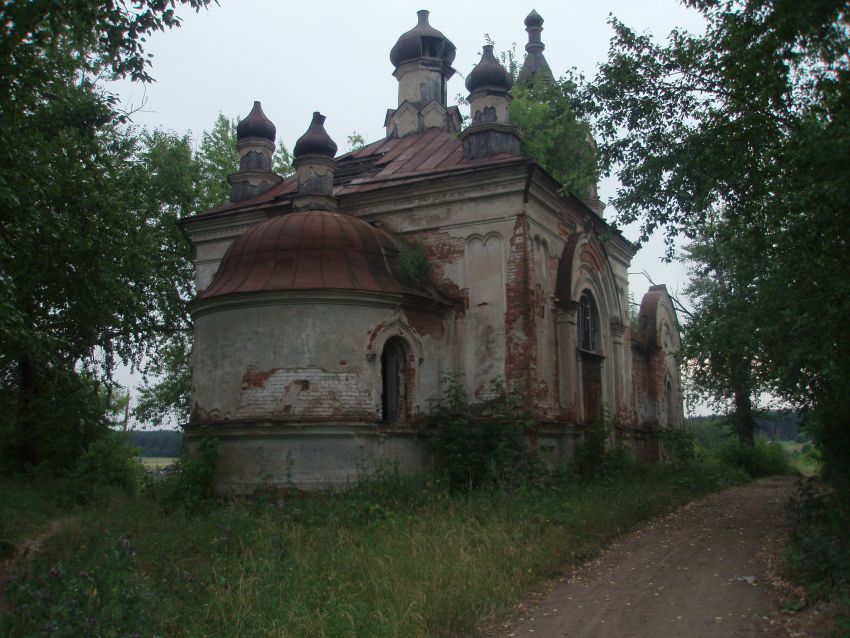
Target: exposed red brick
[(254, 378), (521, 338), (426, 323)]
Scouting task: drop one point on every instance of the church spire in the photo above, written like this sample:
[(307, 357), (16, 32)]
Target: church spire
[(535, 69)]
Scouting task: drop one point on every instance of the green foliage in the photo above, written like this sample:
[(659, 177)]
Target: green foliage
[(480, 445), (61, 602), (592, 449), (761, 459), (708, 432), (737, 138), (84, 275), (109, 462), (549, 115), (680, 447), (413, 264), (355, 142), (193, 485), (819, 549)]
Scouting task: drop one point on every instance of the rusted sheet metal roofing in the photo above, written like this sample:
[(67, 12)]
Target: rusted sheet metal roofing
[(395, 160), (314, 250)]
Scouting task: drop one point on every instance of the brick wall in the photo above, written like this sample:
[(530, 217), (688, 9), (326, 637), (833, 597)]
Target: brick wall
[(310, 393)]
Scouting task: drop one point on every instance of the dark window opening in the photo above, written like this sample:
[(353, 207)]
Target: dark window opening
[(393, 380), (588, 323), (671, 407)]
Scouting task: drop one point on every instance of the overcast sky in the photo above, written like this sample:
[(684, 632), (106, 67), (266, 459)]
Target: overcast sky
[(333, 56)]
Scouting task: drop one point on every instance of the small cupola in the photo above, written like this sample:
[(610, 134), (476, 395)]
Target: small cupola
[(314, 167), (422, 58), (535, 68), (256, 125), (255, 144), (316, 140), (488, 74), (422, 41), (489, 85)]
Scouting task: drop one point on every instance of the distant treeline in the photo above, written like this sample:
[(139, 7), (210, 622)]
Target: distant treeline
[(776, 425), (157, 442)]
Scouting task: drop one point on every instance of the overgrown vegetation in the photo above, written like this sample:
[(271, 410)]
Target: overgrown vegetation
[(482, 444), (737, 139), (443, 554), (392, 556), (818, 554), (718, 439), (413, 264)]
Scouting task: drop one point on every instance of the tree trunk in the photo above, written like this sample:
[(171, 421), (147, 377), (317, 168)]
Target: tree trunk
[(745, 418), (28, 449)]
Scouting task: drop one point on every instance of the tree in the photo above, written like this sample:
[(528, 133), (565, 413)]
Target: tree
[(80, 271), (555, 134), (752, 119), (719, 363)]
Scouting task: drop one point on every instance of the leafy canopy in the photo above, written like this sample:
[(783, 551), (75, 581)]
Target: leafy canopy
[(85, 265), (741, 136)]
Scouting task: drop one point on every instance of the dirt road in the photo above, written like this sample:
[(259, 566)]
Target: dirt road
[(699, 572)]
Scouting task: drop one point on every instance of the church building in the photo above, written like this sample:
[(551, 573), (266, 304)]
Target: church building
[(331, 303)]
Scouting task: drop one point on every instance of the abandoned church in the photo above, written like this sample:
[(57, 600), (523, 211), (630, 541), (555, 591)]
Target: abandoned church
[(331, 303)]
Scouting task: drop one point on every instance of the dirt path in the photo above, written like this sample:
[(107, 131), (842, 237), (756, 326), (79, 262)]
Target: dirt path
[(699, 572)]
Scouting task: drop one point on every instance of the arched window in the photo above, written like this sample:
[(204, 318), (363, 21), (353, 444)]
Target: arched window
[(671, 406), (394, 380), (588, 323)]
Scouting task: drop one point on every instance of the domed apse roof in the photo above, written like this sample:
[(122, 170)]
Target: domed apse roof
[(316, 140), (256, 124), (314, 250), (488, 73), (422, 41)]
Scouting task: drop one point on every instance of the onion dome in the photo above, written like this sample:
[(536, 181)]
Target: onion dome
[(422, 41), (488, 74), (256, 124), (533, 19), (312, 250), (316, 140)]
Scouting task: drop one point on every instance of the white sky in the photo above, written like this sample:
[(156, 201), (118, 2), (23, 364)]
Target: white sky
[(333, 56)]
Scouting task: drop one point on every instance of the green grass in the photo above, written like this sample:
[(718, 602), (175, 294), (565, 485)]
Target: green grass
[(392, 557), (804, 458)]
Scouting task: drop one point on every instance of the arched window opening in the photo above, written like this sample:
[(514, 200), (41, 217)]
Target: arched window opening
[(394, 380), (671, 405), (588, 323)]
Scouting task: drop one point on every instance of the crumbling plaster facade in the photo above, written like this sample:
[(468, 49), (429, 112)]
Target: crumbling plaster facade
[(313, 356)]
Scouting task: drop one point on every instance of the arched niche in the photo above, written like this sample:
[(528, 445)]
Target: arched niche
[(395, 352), (396, 357), (658, 332), (584, 268)]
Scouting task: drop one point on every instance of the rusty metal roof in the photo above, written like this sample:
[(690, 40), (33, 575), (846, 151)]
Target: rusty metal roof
[(313, 250), (389, 162)]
